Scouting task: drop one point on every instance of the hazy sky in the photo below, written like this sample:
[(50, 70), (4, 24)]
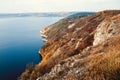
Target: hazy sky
[(14, 6)]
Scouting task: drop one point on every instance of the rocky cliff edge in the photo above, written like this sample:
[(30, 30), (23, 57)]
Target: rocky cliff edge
[(84, 48)]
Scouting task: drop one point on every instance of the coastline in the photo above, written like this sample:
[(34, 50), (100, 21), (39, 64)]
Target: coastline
[(44, 37), (72, 50)]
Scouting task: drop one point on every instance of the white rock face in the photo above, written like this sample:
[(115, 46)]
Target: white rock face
[(71, 26), (107, 29), (44, 30)]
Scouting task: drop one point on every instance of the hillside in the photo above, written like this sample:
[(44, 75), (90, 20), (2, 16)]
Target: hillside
[(80, 48), (44, 14)]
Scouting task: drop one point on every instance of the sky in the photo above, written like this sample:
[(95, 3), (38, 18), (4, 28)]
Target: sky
[(24, 6)]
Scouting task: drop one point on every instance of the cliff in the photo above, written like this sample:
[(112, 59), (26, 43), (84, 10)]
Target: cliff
[(82, 48)]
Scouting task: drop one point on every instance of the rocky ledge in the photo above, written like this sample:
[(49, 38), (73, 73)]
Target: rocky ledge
[(82, 48)]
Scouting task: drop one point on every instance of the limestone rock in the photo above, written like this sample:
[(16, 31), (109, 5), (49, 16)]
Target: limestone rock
[(107, 29)]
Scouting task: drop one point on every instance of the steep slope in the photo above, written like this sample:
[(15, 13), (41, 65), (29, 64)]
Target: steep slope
[(99, 62), (70, 46)]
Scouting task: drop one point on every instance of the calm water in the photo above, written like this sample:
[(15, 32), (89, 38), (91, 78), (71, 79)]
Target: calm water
[(20, 41)]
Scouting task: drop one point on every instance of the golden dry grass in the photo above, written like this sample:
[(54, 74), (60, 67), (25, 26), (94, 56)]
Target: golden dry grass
[(98, 66)]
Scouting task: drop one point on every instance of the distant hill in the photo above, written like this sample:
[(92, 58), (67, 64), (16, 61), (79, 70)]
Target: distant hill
[(49, 14), (80, 14)]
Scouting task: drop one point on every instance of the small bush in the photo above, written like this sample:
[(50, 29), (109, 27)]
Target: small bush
[(29, 68)]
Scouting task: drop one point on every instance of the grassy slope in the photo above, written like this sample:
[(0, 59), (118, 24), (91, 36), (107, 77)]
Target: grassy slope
[(63, 45)]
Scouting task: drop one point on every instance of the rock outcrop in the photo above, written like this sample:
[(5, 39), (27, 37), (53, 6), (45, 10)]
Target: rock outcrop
[(85, 48), (107, 29), (100, 62)]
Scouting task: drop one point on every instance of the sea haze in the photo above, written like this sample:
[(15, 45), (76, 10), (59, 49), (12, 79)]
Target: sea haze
[(44, 14), (20, 42)]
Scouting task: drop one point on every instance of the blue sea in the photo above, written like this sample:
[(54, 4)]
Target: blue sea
[(20, 41)]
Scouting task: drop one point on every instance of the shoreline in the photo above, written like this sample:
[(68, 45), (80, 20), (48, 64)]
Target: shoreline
[(44, 37), (72, 55)]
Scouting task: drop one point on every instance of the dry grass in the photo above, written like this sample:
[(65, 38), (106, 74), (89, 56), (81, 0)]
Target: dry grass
[(29, 68), (97, 66), (105, 66)]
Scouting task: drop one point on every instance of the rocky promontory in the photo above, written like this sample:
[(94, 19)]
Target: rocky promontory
[(80, 48)]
